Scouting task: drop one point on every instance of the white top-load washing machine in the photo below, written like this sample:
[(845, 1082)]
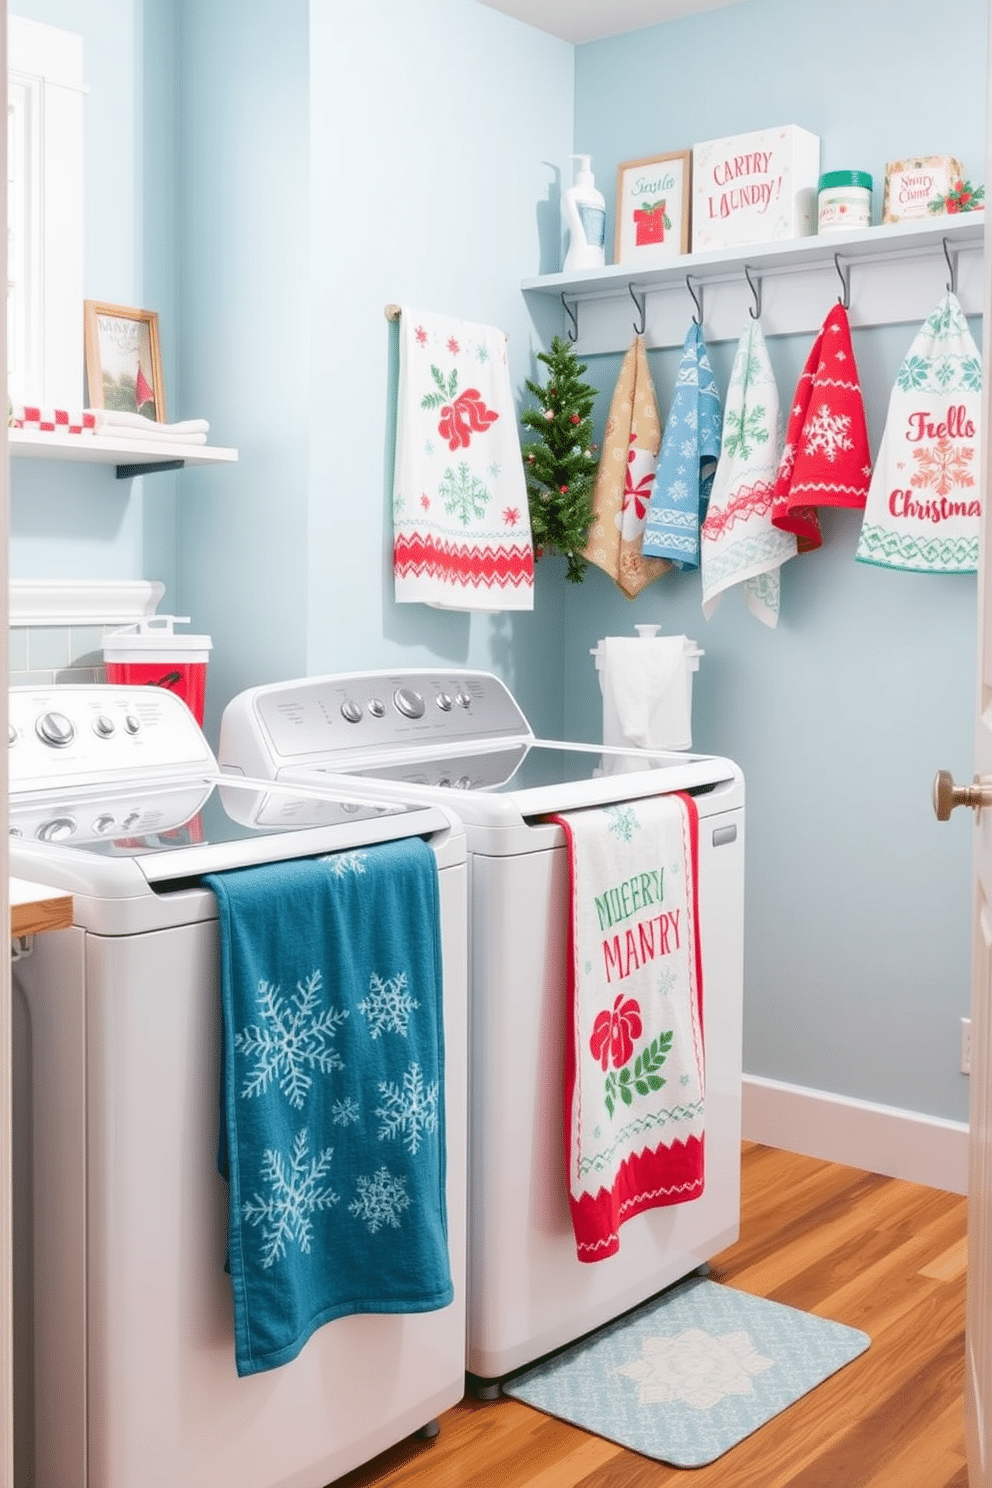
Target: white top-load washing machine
[(125, 1341), (460, 738)]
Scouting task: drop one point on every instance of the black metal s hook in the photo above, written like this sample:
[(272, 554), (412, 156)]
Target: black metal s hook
[(697, 300), (952, 264), (572, 312), (641, 310), (845, 279), (755, 287)]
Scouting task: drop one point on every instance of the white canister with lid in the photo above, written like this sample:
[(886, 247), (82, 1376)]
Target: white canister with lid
[(844, 200)]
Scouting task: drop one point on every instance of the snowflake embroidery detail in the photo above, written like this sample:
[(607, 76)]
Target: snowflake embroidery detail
[(913, 374), (421, 336), (494, 471), (482, 353), (696, 1367), (666, 983), (381, 1200), (742, 428), (341, 864), (453, 346), (409, 1109), (294, 1195), (827, 433), (622, 821), (425, 501), (388, 1005), (688, 449), (943, 467), (345, 1112), (292, 1038), (971, 374), (511, 516), (464, 495)]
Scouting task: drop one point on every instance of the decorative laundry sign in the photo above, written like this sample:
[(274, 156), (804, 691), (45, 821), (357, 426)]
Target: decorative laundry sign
[(754, 188), (924, 505)]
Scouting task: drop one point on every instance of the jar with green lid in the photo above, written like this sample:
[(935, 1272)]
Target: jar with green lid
[(844, 200)]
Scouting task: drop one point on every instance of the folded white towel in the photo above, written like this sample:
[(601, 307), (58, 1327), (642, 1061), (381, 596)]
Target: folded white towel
[(112, 419)]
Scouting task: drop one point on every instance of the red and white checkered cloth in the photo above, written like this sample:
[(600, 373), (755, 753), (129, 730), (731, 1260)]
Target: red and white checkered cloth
[(50, 420)]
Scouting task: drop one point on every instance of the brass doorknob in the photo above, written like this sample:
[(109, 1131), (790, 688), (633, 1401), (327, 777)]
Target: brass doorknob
[(947, 795)]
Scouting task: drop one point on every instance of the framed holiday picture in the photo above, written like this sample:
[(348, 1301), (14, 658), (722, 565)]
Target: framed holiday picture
[(123, 363), (652, 209)]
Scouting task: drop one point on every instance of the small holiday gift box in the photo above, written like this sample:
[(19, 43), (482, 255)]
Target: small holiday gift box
[(754, 188), (912, 185)]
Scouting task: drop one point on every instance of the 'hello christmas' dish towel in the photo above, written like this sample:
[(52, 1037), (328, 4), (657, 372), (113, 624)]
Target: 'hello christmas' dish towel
[(634, 1068), (739, 543), (826, 460), (925, 506), (332, 1093), (689, 453), (461, 524), (625, 477)]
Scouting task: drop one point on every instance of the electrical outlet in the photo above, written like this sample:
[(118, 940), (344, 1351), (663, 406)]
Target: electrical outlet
[(966, 1046)]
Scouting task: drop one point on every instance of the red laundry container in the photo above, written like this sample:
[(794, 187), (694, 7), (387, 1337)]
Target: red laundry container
[(151, 652)]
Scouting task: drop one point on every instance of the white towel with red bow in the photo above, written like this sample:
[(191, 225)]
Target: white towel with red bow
[(634, 1068), (461, 523)]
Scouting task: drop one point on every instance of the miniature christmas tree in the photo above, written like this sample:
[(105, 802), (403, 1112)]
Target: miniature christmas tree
[(561, 463)]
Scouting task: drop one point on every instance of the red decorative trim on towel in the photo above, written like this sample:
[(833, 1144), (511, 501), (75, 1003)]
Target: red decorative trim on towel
[(637, 1186), (416, 555)]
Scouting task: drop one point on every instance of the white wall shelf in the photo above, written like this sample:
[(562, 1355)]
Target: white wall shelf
[(131, 457), (895, 273)]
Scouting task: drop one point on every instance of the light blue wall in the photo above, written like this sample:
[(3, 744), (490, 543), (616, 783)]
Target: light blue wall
[(333, 159), (858, 903), (268, 177), (72, 521)]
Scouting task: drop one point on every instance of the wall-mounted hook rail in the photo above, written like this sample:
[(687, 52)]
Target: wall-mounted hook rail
[(697, 299), (755, 287), (572, 311), (952, 264), (845, 279), (642, 305)]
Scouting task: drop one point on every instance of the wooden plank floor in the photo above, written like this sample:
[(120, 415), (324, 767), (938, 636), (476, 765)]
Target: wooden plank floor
[(874, 1252)]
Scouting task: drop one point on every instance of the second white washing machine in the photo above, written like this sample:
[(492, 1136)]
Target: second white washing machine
[(458, 737)]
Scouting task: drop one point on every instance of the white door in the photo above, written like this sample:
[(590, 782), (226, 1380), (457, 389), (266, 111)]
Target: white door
[(978, 1325)]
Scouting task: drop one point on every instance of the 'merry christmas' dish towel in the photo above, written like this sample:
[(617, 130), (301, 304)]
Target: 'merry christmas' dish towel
[(826, 460), (634, 1074), (624, 479), (461, 523), (332, 1093), (924, 506), (739, 544), (689, 452)]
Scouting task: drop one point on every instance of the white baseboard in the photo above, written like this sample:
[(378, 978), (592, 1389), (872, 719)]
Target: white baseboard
[(882, 1139)]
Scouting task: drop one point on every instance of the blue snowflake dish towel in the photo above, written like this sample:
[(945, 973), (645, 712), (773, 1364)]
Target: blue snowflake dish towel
[(332, 1093)]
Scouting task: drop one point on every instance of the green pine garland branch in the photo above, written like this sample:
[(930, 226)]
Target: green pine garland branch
[(560, 462)]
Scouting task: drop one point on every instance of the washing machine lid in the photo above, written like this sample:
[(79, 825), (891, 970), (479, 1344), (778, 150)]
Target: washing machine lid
[(175, 831)]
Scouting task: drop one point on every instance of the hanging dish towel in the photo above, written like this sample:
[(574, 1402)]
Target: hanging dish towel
[(461, 524), (332, 1133), (826, 460), (647, 690), (689, 453), (739, 544), (624, 479), (924, 506), (634, 1075)]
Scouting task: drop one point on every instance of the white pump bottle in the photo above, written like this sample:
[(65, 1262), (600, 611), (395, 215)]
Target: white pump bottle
[(583, 213)]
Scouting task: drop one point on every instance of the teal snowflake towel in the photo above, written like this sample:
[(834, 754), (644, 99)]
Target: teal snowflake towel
[(689, 452), (924, 505), (332, 1080)]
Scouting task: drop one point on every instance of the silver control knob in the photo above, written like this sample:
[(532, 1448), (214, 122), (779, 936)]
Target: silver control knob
[(103, 726), (463, 783), (377, 708), (57, 830), (131, 820), (103, 825), (132, 723), (55, 729), (464, 701), (351, 712), (408, 702), (444, 702)]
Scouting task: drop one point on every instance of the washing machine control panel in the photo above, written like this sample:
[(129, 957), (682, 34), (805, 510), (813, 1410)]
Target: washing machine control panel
[(99, 732), (347, 715)]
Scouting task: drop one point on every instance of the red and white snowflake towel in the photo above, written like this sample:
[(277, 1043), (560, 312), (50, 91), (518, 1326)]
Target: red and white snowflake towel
[(925, 504), (634, 1074), (461, 524), (826, 460)]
